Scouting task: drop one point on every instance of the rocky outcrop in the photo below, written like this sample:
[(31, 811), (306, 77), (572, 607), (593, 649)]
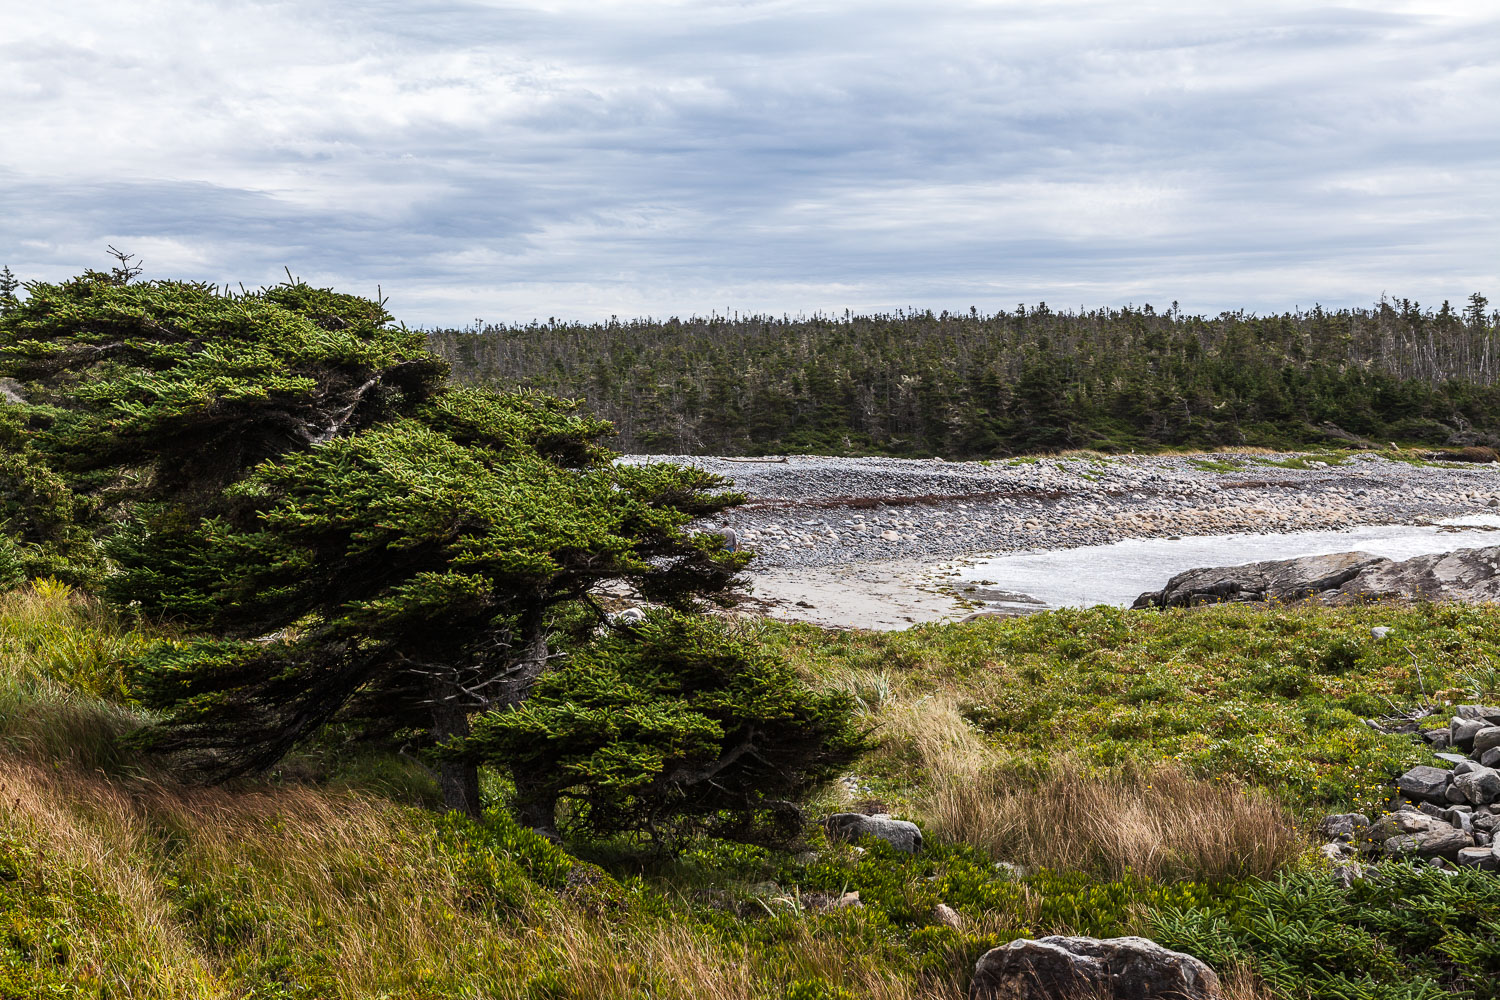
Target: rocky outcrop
[(900, 834), (1125, 968), (1345, 577), (1464, 575)]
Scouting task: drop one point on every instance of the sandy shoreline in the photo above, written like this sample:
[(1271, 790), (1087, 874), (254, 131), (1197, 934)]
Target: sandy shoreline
[(873, 595)]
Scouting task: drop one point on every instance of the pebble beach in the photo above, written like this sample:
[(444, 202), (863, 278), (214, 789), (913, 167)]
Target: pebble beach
[(852, 542)]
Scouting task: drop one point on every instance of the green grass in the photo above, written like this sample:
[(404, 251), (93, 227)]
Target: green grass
[(1272, 696), (1304, 461), (328, 883), (1216, 464)]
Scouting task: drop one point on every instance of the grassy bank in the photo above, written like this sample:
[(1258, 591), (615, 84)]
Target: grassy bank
[(1153, 773)]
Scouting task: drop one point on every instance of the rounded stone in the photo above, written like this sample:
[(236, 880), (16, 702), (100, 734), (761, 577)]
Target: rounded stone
[(1125, 968)]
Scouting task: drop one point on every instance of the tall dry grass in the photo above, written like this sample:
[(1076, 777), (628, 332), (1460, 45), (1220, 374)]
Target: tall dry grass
[(1161, 823), (170, 892)]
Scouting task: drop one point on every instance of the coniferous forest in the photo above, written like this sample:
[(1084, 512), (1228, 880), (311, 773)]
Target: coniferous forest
[(970, 385)]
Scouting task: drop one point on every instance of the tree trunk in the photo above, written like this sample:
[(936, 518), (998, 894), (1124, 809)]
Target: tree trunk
[(536, 807), (458, 779)]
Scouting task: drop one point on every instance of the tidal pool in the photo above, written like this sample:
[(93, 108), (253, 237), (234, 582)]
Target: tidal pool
[(1120, 572)]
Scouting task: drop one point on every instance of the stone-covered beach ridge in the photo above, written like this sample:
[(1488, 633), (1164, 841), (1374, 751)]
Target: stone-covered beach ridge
[(861, 539)]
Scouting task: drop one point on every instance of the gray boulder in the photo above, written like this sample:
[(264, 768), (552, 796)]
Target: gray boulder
[(900, 834), (1282, 579), (1438, 841), (1491, 757), (1402, 821), (947, 916), (1463, 575), (1343, 826), (1348, 577), (1425, 782), (1462, 731), (1487, 738), (1480, 785), (10, 391), (1458, 819), (1124, 968), (1482, 858), (1437, 738), (1489, 713)]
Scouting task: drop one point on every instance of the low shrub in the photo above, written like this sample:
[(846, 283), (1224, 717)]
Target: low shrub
[(1402, 933)]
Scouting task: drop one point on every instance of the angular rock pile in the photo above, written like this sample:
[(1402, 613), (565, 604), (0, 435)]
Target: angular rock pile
[(1448, 814)]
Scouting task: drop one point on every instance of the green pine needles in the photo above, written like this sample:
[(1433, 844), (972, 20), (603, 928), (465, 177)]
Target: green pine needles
[(671, 727), (285, 476)]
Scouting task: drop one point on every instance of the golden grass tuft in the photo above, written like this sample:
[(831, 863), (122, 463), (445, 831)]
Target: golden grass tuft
[(1162, 823)]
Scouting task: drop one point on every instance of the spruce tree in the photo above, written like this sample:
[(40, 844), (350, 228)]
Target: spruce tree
[(287, 474), (669, 727), (9, 285)]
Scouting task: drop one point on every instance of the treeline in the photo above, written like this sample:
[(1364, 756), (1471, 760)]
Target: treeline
[(976, 385)]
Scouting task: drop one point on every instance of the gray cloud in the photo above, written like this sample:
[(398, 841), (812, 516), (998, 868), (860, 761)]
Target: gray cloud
[(581, 159)]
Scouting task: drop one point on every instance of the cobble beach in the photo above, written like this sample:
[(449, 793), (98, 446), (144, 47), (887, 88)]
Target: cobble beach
[(831, 531)]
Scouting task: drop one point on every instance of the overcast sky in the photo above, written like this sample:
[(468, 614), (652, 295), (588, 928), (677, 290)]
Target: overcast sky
[(582, 159)]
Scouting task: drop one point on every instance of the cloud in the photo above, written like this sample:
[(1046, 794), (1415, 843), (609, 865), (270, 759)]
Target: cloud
[(582, 159)]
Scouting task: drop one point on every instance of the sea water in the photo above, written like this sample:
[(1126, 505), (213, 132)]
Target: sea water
[(1120, 572)]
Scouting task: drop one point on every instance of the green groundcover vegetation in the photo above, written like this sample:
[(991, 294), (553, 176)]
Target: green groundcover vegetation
[(330, 879), (968, 385)]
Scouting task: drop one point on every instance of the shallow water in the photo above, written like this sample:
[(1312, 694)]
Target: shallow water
[(1120, 572)]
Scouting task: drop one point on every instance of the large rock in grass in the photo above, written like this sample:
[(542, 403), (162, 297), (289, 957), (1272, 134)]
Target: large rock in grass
[(1462, 575), (1125, 968), (1482, 858), (1409, 833), (1462, 732), (1345, 577), (1344, 826), (900, 834), (1440, 842), (1425, 783)]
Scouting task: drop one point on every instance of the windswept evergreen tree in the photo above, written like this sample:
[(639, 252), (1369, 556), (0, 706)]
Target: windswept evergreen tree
[(172, 390), (667, 728), (286, 472)]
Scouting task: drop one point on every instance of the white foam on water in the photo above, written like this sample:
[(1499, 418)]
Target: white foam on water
[(1120, 572)]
